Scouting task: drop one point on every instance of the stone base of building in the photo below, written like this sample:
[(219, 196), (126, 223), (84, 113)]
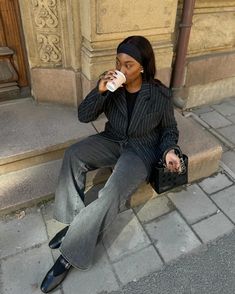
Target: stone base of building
[(211, 92), (209, 78), (61, 86)]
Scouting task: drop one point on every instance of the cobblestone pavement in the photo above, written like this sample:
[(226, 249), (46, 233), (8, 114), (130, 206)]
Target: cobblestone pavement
[(142, 240)]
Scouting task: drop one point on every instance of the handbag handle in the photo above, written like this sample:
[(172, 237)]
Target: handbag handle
[(179, 153)]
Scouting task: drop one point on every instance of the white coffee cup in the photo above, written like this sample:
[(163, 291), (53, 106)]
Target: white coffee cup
[(118, 80)]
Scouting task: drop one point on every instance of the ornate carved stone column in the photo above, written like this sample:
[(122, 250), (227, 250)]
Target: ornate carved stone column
[(104, 23), (52, 33)]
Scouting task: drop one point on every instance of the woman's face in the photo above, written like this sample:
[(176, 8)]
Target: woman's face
[(129, 67)]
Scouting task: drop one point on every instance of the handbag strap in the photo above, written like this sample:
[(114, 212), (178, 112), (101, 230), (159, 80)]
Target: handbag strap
[(178, 151)]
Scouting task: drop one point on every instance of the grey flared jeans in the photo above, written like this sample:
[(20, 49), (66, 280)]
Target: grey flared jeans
[(88, 222)]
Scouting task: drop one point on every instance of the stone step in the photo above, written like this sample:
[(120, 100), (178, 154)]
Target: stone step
[(32, 185), (33, 133), (33, 181), (26, 187)]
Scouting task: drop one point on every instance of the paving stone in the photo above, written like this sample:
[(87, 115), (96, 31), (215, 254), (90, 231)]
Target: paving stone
[(20, 234), (125, 236), (55, 253), (215, 120), (99, 278), (24, 272), (232, 118), (52, 225), (137, 265), (213, 227), (153, 209), (226, 108), (193, 203), (224, 147), (203, 109), (172, 236), (228, 133), (232, 100), (47, 210), (226, 201), (215, 183), (228, 158)]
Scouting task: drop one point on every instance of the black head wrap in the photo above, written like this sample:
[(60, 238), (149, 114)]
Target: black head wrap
[(131, 50)]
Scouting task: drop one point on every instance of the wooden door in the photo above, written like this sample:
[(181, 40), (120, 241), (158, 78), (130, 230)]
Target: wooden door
[(13, 62)]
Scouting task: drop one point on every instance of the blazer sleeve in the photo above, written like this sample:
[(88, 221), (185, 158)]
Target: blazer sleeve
[(169, 133), (92, 106)]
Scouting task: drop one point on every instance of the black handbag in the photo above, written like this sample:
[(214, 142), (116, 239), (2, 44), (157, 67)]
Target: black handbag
[(163, 180)]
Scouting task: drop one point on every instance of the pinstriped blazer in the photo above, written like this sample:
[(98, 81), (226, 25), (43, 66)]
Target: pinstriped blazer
[(152, 128)]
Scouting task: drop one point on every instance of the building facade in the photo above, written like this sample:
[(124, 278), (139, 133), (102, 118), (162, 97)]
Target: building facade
[(56, 49)]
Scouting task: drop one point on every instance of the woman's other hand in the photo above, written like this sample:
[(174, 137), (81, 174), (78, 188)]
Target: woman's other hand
[(172, 161), (104, 79)]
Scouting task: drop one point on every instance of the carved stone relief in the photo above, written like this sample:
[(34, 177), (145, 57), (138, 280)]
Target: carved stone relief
[(47, 27), (49, 48), (46, 14)]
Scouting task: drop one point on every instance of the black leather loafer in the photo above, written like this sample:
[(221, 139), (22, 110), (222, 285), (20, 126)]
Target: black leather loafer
[(58, 238), (52, 279)]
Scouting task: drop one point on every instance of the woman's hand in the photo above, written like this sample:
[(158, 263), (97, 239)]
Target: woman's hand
[(104, 79), (172, 161)]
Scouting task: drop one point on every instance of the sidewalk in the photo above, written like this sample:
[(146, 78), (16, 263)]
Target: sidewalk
[(143, 240)]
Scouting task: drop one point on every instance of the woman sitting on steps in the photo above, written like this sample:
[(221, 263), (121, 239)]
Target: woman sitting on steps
[(141, 129)]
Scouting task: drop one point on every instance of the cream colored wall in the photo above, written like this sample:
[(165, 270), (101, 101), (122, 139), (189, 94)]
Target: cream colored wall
[(69, 43), (105, 23), (210, 71), (80, 37)]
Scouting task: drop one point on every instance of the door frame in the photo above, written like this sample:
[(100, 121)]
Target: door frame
[(14, 39)]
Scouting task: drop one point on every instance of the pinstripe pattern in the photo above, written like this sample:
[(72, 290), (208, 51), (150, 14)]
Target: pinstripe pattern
[(152, 127)]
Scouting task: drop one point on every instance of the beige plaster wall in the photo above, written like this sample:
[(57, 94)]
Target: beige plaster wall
[(74, 41), (213, 27), (81, 36), (209, 72), (105, 23)]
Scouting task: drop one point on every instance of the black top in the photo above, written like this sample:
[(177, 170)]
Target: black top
[(130, 101)]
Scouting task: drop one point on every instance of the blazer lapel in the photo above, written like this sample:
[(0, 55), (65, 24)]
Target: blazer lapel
[(140, 107)]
